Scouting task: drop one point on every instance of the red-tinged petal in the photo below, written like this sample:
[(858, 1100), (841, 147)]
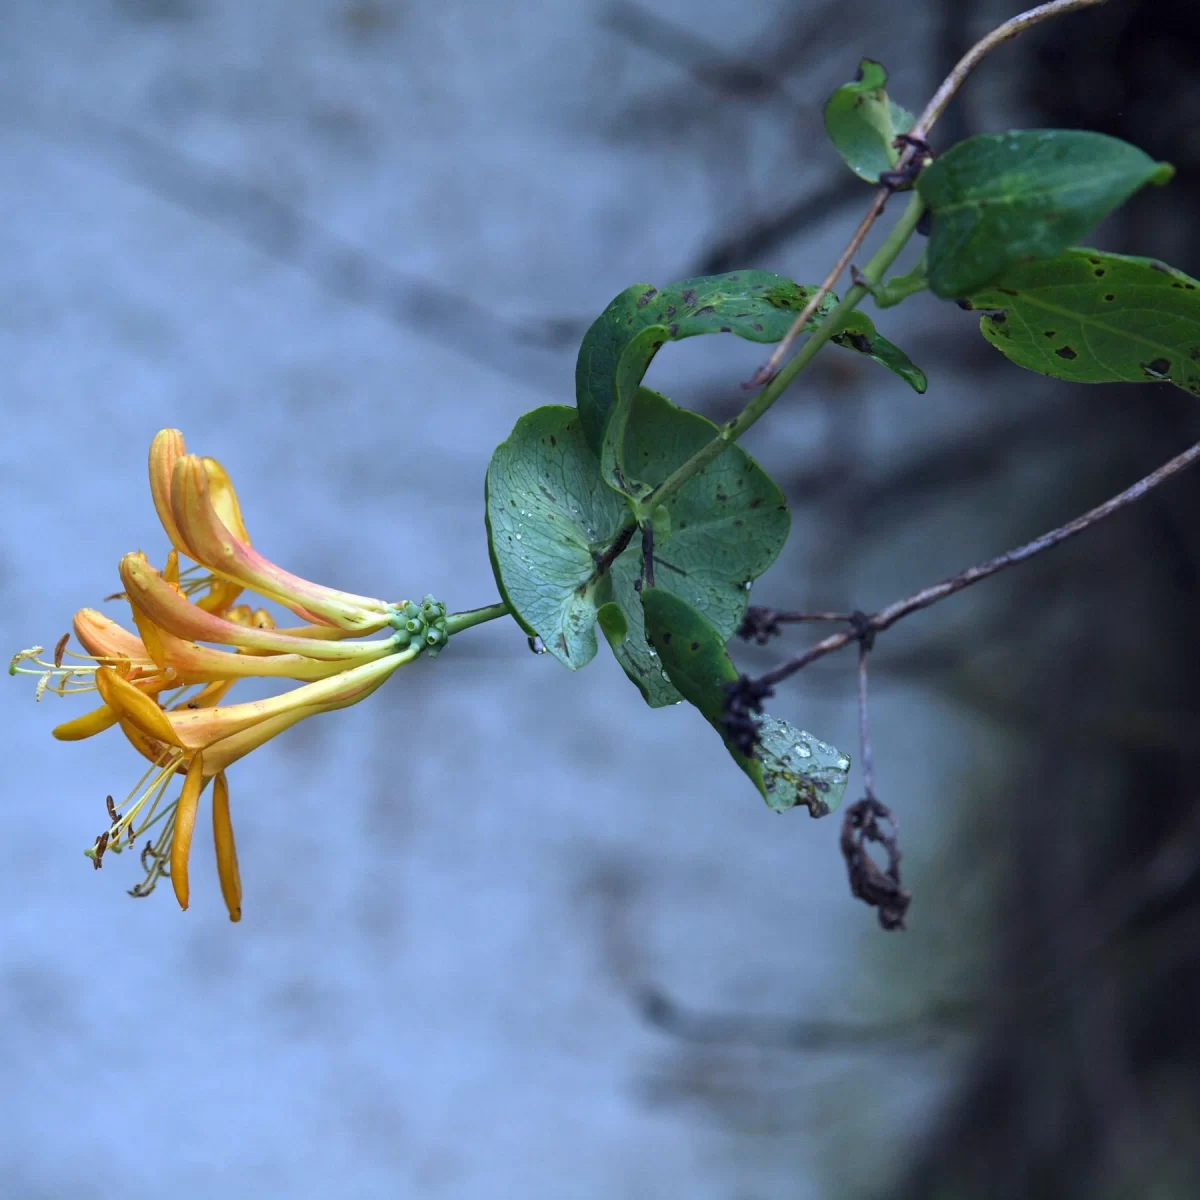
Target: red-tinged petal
[(165, 450), (102, 637), (134, 705), (227, 863), (173, 613), (218, 548), (185, 822), (90, 724)]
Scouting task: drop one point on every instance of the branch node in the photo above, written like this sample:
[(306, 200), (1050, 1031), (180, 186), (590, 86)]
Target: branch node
[(864, 629)]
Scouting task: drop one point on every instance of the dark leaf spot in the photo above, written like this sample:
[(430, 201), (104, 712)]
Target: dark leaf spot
[(1098, 272), (1159, 368), (756, 503), (670, 310), (726, 329), (689, 297), (1008, 291), (695, 645), (703, 312), (965, 304), (666, 639), (1051, 333), (1109, 297), (1066, 352), (757, 327), (674, 330), (646, 297), (553, 440)]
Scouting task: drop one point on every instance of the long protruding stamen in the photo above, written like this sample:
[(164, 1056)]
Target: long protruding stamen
[(142, 793)]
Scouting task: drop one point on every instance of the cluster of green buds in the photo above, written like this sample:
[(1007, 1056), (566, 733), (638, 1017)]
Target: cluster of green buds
[(422, 625)]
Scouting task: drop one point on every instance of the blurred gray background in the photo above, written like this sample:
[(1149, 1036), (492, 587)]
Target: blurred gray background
[(507, 932)]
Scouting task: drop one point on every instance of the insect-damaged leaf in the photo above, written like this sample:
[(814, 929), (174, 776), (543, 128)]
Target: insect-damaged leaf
[(550, 516), (862, 122), (792, 768), (997, 199), (726, 526), (622, 342), (548, 512), (1092, 317)]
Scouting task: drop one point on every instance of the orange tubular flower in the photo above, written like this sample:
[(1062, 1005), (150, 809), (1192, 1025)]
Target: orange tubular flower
[(164, 686)]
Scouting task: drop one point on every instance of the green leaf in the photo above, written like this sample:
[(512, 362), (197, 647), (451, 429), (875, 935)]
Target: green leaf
[(622, 342), (548, 513), (792, 767), (613, 623), (862, 122), (997, 199), (860, 334), (727, 525), (549, 516), (1092, 317)]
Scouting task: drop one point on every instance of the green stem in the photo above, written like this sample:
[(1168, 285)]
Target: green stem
[(833, 323), (457, 622)]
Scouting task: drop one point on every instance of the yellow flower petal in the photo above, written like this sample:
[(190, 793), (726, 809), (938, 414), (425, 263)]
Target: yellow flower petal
[(227, 863), (129, 702), (185, 821), (97, 721), (212, 544), (150, 637), (199, 728)]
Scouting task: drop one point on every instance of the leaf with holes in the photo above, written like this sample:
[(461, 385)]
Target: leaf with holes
[(1092, 317), (548, 514), (622, 342), (722, 530), (549, 517), (792, 768), (862, 122), (997, 199)]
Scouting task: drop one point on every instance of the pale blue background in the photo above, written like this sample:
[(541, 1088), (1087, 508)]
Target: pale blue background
[(451, 890)]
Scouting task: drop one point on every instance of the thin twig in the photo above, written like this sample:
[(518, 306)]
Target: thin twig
[(914, 147), (864, 724), (969, 61), (885, 618), (770, 368)]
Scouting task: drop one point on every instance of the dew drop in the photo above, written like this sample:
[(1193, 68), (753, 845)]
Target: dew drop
[(803, 750)]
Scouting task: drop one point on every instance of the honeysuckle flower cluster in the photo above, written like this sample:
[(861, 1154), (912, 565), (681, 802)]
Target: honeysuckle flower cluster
[(165, 686)]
